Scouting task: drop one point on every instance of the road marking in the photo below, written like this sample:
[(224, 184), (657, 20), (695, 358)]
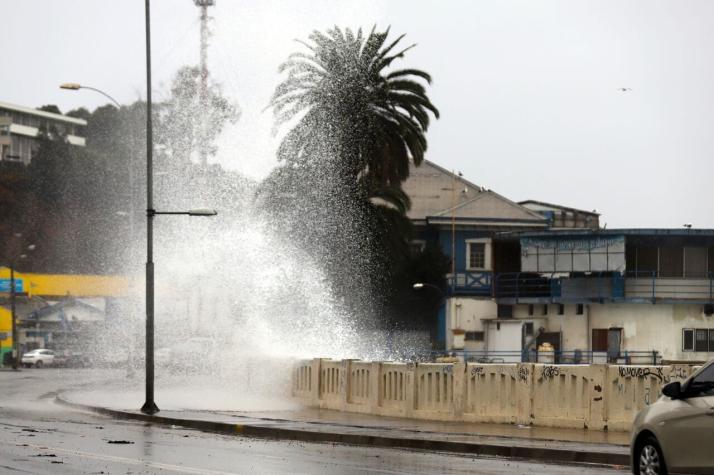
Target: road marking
[(113, 458)]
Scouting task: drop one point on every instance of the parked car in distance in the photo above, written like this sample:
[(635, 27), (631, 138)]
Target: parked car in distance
[(70, 359), (674, 435), (38, 358)]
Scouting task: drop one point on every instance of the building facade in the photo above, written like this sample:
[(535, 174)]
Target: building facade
[(533, 275), (20, 127)]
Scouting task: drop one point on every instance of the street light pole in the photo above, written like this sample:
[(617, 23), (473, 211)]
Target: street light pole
[(149, 406), (15, 352)]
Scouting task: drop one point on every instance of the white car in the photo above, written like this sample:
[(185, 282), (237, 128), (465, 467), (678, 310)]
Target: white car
[(38, 358), (675, 434)]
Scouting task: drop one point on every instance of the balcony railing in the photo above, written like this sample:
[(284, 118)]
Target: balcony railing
[(603, 287), (471, 283)]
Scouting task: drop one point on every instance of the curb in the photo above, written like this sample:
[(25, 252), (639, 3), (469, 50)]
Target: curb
[(257, 431)]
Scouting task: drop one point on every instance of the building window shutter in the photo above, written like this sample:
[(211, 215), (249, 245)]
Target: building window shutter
[(600, 339), (687, 339), (701, 340)]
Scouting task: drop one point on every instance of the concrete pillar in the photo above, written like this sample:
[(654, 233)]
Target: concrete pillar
[(524, 393), (345, 382), (410, 388), (375, 378), (598, 405), (459, 388), (315, 382)]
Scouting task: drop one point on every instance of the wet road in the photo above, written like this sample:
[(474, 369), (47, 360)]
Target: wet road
[(39, 436)]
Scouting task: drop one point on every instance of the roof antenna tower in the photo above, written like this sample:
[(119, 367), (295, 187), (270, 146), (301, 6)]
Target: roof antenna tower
[(203, 91)]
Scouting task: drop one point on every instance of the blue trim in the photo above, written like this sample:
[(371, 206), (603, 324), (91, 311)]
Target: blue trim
[(626, 232), (441, 325)]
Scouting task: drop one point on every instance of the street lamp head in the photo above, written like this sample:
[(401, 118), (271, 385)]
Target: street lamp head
[(202, 212), (418, 286), (31, 247), (70, 85)]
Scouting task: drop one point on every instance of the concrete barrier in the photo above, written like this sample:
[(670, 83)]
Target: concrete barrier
[(570, 396), (498, 393), (396, 389), (331, 384), (302, 380), (435, 389), (632, 388)]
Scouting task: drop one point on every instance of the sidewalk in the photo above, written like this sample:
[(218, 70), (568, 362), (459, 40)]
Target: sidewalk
[(313, 425)]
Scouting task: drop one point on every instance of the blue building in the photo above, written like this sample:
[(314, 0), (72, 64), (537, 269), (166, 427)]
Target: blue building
[(536, 275)]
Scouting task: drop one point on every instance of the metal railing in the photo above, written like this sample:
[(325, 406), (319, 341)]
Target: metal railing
[(604, 286), (648, 285), (519, 285), (471, 282), (645, 357)]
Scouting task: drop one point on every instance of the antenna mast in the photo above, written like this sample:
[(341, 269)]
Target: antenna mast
[(203, 91)]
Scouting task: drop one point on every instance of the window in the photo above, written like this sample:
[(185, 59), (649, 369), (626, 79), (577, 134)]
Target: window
[(579, 309), (474, 336), (703, 384), (561, 309), (687, 339), (416, 247), (695, 262), (545, 309), (528, 328), (477, 255), (531, 310), (698, 339), (701, 340), (505, 311), (671, 262)]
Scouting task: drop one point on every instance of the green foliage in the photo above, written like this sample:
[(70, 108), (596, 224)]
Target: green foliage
[(350, 112), (80, 205), (355, 126), (190, 122), (50, 108)]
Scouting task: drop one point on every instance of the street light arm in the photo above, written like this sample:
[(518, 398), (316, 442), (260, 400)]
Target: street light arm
[(75, 86), (191, 212), (421, 285)]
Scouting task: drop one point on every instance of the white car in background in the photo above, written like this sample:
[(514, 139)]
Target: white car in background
[(38, 358)]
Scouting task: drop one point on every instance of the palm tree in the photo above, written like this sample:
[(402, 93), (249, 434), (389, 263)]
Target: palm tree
[(351, 115)]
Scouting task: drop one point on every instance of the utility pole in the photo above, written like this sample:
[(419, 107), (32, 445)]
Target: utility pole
[(203, 90), (13, 315)]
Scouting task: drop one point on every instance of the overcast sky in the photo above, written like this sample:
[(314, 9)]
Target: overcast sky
[(528, 90)]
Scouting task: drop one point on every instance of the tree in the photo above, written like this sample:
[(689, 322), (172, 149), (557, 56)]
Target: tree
[(50, 108), (356, 127), (190, 123), (351, 112)]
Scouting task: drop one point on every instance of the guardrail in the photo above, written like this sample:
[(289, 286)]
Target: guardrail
[(627, 357), (581, 396)]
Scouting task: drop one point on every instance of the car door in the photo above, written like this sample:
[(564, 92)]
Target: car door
[(687, 431)]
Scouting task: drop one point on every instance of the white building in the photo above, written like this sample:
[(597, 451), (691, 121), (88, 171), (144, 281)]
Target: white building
[(20, 127), (530, 273)]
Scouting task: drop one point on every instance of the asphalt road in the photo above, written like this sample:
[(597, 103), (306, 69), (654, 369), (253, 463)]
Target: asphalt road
[(39, 436)]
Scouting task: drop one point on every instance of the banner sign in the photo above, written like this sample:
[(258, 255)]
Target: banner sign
[(5, 285), (573, 254)]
